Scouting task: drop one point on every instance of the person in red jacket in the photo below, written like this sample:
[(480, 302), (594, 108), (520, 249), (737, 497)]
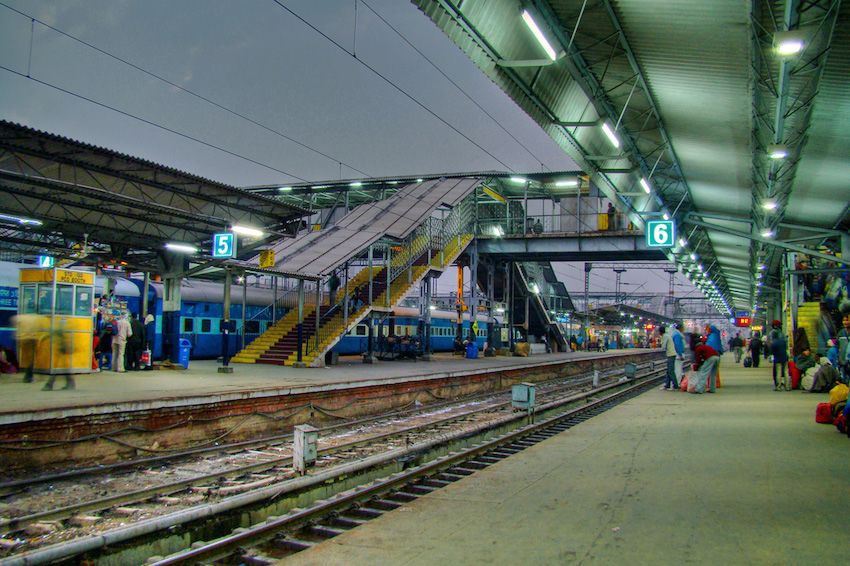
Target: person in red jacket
[(706, 359)]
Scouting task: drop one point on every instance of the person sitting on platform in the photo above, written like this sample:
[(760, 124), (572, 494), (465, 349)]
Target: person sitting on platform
[(805, 360), (706, 360)]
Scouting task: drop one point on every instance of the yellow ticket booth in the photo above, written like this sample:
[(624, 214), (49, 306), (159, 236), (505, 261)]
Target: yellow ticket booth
[(58, 304)]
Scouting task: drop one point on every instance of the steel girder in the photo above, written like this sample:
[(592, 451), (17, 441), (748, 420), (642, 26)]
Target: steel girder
[(601, 65), (784, 93)]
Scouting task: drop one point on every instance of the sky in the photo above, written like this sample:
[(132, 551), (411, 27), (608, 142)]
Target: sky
[(286, 91)]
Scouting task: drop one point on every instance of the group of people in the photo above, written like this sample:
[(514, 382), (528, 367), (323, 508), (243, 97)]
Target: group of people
[(120, 344), (707, 350)]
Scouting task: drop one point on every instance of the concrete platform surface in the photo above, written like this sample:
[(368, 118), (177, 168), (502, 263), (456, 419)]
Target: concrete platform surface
[(744, 476), (203, 380)]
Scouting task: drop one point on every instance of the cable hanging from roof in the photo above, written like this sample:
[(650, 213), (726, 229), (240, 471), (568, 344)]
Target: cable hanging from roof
[(185, 90), (392, 84)]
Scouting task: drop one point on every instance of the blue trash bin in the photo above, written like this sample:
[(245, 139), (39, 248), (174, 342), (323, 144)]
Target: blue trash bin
[(472, 350), (185, 348)]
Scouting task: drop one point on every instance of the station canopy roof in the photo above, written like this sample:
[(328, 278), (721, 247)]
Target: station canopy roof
[(66, 198), (696, 97), (624, 315)]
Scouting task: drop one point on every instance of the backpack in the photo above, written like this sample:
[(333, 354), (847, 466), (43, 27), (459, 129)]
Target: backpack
[(838, 394), (748, 362), (823, 413)]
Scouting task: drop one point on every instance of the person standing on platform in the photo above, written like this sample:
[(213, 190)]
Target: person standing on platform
[(123, 331), (612, 216), (755, 349), (679, 345), (738, 347), (843, 337), (715, 341), (705, 365), (26, 333), (150, 330), (670, 382), (135, 344), (779, 350)]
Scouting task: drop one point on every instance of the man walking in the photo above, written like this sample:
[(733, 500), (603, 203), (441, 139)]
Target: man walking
[(123, 331), (135, 344), (670, 350), (679, 344), (737, 347)]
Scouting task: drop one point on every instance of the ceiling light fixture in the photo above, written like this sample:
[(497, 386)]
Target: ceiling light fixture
[(770, 205), (247, 231), (646, 188), (355, 184), (615, 141), (20, 220), (181, 248), (777, 151), (538, 35), (788, 42), (767, 233), (519, 180), (285, 189), (567, 183)]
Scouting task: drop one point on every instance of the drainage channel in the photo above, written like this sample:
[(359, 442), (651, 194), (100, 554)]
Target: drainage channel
[(276, 538)]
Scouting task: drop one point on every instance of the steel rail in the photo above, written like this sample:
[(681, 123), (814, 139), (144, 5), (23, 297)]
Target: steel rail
[(243, 538), (164, 490)]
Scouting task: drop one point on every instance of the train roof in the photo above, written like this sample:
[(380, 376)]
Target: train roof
[(197, 290)]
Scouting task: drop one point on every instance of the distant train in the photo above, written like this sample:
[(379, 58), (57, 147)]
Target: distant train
[(201, 313)]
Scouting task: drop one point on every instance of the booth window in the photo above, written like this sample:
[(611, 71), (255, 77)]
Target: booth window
[(64, 299), (83, 303), (45, 299), (27, 300)]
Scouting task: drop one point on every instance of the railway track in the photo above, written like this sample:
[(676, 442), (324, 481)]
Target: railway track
[(273, 468), (265, 544)]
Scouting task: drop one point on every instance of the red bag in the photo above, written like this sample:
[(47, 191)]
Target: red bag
[(683, 385), (823, 414), (795, 374)]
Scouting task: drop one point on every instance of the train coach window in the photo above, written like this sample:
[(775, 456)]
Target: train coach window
[(188, 325), (361, 330), (252, 327), (206, 325)]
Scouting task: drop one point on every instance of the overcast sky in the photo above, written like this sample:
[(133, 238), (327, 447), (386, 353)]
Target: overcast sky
[(353, 90)]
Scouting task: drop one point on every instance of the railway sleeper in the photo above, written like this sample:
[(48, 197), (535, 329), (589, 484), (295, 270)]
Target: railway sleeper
[(461, 471), (403, 496), (450, 477), (324, 531), (434, 482), (476, 464), (348, 522), (365, 512), (418, 488), (256, 560), (384, 504), (292, 543)]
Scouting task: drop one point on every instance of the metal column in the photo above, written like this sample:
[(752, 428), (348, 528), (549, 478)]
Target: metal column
[(300, 323)]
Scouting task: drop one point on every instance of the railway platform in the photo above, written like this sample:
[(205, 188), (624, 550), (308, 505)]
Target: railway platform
[(111, 415), (744, 476)]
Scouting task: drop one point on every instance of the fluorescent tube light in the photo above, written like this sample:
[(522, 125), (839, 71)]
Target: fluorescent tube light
[(247, 231), (355, 184), (181, 248), (20, 220), (770, 205), (538, 35), (567, 183), (285, 189), (611, 135), (645, 185), (767, 234)]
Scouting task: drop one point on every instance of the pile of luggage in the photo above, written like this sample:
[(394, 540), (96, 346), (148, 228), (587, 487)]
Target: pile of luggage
[(837, 410)]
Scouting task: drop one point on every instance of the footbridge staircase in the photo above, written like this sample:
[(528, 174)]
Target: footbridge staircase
[(369, 260)]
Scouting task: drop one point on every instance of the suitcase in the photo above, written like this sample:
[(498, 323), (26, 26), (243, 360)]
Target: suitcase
[(823, 413)]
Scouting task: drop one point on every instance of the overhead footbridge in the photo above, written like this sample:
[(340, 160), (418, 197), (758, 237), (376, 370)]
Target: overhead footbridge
[(369, 260)]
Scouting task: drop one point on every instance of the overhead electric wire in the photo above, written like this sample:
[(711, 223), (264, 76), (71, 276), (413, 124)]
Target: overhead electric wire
[(148, 122), (392, 84), (430, 62), (184, 89)]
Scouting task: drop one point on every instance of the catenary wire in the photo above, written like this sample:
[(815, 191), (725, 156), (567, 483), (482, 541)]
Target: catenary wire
[(149, 122), (392, 84), (183, 89)]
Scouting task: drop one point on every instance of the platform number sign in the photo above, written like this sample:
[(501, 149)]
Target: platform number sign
[(224, 245), (45, 261), (660, 233)]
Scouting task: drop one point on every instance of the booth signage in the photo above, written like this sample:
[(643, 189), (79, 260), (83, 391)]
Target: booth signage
[(267, 259), (224, 245), (45, 261), (660, 233)]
